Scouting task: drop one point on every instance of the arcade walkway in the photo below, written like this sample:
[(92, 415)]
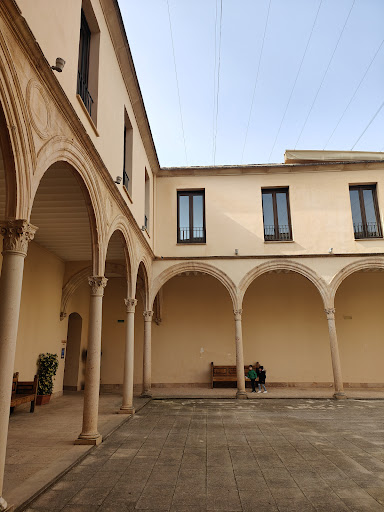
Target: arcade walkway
[(197, 455)]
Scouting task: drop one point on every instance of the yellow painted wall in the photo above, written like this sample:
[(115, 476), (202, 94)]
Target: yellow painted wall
[(57, 33), (40, 328), (285, 329), (320, 213), (361, 338)]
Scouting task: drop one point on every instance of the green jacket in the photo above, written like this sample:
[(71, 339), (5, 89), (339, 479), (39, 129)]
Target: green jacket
[(252, 374)]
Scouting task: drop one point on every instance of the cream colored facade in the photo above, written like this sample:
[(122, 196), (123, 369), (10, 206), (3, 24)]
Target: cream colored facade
[(129, 305)]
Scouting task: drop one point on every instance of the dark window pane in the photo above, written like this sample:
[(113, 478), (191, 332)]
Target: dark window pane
[(355, 206), (282, 210), (370, 213), (268, 209), (184, 217), (198, 216)]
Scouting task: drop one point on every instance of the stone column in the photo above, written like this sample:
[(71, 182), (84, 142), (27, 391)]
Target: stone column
[(337, 377), (17, 234), (89, 433), (239, 355), (127, 405), (147, 353)]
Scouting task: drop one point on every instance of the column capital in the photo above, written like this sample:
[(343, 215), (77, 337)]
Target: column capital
[(148, 316), (130, 305), (17, 233), (330, 312), (238, 313), (97, 284)]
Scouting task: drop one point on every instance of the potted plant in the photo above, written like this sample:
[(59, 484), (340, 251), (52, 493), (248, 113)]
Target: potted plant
[(47, 368)]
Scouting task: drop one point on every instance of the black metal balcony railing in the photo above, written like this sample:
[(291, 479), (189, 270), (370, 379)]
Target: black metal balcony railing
[(125, 179), (82, 91), (280, 234), (366, 230), (191, 235)]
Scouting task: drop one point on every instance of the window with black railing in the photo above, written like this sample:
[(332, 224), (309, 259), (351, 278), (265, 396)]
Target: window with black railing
[(365, 211), (276, 215), (191, 216), (83, 68)]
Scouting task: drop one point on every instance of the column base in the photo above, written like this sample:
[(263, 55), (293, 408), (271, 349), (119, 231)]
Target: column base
[(146, 394), (4, 507), (126, 410), (91, 440), (241, 395), (339, 395)]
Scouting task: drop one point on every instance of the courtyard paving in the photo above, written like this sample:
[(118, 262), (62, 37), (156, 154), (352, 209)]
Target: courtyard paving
[(260, 455)]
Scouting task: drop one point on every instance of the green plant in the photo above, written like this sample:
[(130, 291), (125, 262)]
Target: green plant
[(47, 368)]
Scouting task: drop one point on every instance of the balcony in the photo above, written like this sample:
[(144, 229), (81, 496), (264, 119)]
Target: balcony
[(280, 234), (192, 236), (366, 230), (82, 91)]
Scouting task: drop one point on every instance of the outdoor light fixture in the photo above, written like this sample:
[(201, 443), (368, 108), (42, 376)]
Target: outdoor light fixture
[(60, 63), (118, 180), (143, 228), (236, 252), (330, 250)]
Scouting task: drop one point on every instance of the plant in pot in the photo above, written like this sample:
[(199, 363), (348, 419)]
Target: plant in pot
[(47, 368)]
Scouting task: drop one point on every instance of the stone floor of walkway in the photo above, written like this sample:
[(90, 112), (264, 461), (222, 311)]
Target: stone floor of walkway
[(260, 455), (41, 445)]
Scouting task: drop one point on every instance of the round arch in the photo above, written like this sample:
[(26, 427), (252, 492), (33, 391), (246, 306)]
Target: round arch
[(57, 150), (284, 265), (144, 264), (194, 266), (119, 224), (357, 266)]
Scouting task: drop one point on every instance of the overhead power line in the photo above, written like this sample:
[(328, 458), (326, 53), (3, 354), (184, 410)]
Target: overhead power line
[(369, 124), (325, 74), (177, 82), (297, 76), (256, 81), (354, 94), (216, 110)]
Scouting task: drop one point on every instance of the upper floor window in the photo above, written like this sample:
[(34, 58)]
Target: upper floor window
[(191, 216), (276, 214), (128, 154), (365, 211), (147, 199), (88, 66)]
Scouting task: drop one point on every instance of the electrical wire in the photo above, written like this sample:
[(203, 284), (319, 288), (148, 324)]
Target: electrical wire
[(177, 82), (354, 94), (256, 81), (325, 74), (297, 76), (368, 125), (214, 89), (218, 85)]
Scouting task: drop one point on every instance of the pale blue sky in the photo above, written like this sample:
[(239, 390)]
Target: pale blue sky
[(287, 34)]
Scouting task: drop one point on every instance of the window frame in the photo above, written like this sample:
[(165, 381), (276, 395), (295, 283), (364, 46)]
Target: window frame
[(191, 193), (274, 191), (84, 63), (360, 188)]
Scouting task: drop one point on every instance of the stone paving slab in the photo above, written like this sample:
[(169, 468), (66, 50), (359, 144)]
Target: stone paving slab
[(41, 445), (230, 455)]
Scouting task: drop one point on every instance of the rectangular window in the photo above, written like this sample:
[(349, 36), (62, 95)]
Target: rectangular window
[(128, 154), (365, 211), (276, 214), (147, 199), (83, 69), (191, 216)]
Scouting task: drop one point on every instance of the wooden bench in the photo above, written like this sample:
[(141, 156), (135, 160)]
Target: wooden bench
[(23, 392), (225, 373)]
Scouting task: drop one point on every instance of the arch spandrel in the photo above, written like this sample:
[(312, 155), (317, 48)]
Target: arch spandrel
[(194, 266), (364, 264), (284, 265)]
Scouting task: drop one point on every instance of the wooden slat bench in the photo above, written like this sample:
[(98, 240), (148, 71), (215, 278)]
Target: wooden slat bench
[(225, 373), (23, 392)]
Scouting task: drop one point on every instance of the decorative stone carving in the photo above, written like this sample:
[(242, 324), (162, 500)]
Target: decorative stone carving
[(3, 504), (148, 316), (330, 312), (63, 315), (39, 109), (97, 283), (238, 313), (131, 305), (17, 234)]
